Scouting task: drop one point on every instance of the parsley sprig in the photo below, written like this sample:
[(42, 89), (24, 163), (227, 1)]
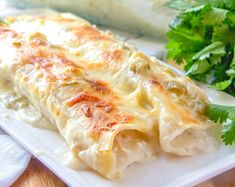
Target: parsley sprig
[(203, 38), (226, 116)]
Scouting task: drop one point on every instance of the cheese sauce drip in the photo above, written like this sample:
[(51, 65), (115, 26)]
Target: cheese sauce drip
[(22, 107)]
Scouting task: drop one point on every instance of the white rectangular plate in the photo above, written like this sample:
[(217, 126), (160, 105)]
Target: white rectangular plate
[(167, 170)]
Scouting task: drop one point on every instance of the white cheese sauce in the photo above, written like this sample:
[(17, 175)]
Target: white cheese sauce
[(27, 113), (22, 108), (69, 159)]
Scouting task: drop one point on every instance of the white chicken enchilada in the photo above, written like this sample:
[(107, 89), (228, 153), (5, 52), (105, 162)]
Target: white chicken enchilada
[(114, 106)]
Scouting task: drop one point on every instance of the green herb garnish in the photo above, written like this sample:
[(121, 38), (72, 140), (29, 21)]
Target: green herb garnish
[(203, 38), (225, 115)]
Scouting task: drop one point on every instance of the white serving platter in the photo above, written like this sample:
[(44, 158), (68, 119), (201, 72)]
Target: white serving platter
[(167, 170)]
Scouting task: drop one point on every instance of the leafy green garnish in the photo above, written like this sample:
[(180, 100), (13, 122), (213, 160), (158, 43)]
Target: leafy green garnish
[(202, 37), (221, 85), (228, 133), (225, 115)]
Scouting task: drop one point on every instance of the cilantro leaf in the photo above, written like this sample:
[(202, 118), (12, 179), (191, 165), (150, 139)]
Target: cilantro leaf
[(232, 115), (225, 115), (216, 48), (215, 17), (218, 113), (201, 66), (224, 34), (221, 85), (179, 50), (228, 135)]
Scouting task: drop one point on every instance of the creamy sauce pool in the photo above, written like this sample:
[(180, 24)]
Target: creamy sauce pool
[(22, 108), (26, 112)]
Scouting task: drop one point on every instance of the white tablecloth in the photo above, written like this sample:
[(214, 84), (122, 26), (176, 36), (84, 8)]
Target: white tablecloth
[(13, 160)]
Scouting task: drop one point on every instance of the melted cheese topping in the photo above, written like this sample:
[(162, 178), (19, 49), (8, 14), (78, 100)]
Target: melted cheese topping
[(109, 102)]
